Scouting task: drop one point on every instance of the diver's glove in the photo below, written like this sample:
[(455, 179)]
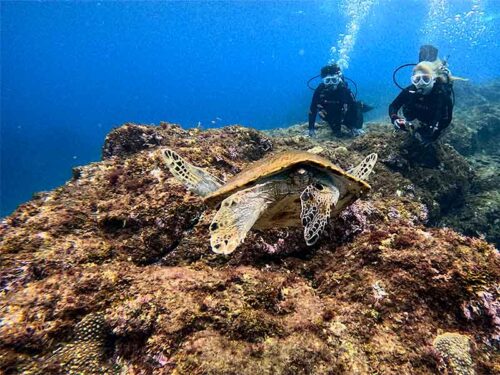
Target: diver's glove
[(436, 132), (400, 124), (312, 133)]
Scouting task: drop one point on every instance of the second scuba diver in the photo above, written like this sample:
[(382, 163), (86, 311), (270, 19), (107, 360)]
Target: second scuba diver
[(428, 99), (335, 103)]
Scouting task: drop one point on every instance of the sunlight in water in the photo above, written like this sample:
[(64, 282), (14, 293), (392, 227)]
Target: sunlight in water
[(356, 12), (442, 23)]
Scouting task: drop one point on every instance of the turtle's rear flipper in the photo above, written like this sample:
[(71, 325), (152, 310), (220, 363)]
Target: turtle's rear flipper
[(196, 179), (363, 169), (236, 216), (317, 201)]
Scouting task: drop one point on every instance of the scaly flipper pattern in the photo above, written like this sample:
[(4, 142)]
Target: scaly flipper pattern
[(317, 201), (196, 179), (236, 216), (363, 169)]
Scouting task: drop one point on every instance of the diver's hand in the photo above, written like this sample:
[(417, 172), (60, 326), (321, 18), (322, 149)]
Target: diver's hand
[(400, 124), (312, 133), (436, 132)]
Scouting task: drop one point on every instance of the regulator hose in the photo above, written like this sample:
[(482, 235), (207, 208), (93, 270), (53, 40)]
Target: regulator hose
[(397, 70)]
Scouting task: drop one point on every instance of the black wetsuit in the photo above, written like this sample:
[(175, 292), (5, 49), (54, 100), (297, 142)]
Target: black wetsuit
[(434, 111), (336, 106)]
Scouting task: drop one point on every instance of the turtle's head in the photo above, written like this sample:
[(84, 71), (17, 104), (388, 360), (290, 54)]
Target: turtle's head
[(301, 177)]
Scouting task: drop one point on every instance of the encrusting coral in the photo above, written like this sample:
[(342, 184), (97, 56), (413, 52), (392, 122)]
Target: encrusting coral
[(125, 247), (455, 349), (84, 354)]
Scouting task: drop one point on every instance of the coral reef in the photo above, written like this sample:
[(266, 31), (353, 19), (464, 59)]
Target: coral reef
[(476, 127), (454, 348), (476, 134), (480, 214), (113, 272), (84, 354)]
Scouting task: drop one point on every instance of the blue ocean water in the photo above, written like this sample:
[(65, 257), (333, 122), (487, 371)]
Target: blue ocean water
[(71, 71)]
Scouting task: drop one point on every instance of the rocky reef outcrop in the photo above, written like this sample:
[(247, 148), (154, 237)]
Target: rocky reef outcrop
[(476, 134), (113, 273), (476, 123)]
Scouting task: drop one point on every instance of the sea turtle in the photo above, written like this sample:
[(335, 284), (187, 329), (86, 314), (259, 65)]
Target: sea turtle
[(287, 189)]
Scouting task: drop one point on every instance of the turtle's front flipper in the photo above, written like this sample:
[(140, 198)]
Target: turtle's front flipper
[(236, 216), (196, 179), (363, 169), (317, 201)]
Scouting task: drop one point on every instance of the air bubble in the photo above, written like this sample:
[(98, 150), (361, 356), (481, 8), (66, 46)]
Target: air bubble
[(444, 25), (357, 12)]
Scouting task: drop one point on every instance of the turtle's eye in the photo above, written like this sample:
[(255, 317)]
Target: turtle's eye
[(318, 186)]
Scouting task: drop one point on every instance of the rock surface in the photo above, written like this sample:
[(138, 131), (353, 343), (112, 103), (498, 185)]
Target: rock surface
[(476, 134), (125, 246)]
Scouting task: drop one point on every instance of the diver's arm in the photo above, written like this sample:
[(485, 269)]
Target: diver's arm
[(401, 99), (446, 117), (313, 109), (350, 112), (349, 98), (445, 122)]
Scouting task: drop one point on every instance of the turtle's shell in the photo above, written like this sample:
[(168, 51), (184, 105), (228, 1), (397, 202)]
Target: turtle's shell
[(280, 163)]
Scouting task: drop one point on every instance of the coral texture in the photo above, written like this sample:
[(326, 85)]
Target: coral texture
[(113, 271), (84, 354), (455, 350)]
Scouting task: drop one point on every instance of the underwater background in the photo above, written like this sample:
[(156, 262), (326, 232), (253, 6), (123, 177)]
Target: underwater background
[(72, 71)]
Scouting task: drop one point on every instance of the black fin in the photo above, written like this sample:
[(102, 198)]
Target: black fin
[(365, 107)]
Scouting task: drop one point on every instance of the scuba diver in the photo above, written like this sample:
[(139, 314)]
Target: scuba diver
[(429, 99), (335, 103)]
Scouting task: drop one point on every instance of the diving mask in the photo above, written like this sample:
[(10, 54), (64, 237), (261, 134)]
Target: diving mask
[(332, 80), (422, 79), (424, 82)]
